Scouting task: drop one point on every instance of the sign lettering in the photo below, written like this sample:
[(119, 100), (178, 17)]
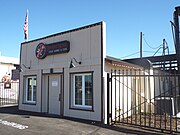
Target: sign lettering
[(42, 50)]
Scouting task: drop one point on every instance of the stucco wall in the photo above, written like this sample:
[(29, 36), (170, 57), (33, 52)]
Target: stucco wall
[(86, 46)]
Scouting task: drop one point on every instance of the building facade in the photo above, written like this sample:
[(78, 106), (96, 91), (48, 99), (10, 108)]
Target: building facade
[(8, 82), (62, 74), (7, 64), (66, 74)]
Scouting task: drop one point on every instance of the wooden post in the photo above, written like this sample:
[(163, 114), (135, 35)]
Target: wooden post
[(140, 44)]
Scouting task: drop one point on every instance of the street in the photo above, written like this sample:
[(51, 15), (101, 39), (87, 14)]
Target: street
[(16, 122)]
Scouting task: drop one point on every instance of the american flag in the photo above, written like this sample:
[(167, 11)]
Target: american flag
[(26, 27)]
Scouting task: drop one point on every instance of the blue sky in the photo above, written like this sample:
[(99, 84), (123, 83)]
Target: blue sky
[(125, 19)]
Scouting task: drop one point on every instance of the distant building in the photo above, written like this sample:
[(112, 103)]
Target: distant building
[(7, 64)]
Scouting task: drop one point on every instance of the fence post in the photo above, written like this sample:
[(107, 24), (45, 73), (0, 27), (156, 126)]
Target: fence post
[(108, 98)]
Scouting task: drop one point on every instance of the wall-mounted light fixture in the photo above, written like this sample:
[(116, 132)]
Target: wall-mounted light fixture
[(21, 69), (72, 64), (26, 66)]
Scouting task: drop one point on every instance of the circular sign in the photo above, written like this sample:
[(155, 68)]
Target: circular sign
[(41, 51)]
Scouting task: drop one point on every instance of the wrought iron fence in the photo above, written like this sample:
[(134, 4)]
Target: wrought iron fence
[(9, 93), (145, 98)]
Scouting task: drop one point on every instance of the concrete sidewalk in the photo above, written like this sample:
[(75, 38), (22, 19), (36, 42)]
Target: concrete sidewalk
[(13, 121)]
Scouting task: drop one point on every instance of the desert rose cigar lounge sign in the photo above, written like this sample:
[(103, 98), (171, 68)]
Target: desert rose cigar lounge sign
[(42, 50)]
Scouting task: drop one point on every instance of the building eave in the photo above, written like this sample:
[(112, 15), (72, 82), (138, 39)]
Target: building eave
[(119, 63)]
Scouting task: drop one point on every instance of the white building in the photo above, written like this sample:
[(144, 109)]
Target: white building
[(65, 73), (8, 85), (7, 64)]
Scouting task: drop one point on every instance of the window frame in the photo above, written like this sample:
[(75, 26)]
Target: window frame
[(72, 96), (32, 101)]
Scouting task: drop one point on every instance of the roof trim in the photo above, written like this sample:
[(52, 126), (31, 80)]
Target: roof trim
[(64, 32), (119, 62)]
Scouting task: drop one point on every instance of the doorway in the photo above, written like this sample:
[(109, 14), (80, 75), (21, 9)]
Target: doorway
[(55, 88)]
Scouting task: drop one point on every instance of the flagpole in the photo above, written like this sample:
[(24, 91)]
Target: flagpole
[(27, 24), (26, 27)]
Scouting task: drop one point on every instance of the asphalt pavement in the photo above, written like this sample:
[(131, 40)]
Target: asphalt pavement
[(15, 122)]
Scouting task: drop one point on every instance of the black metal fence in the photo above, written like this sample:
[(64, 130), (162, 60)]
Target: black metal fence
[(145, 98), (9, 93)]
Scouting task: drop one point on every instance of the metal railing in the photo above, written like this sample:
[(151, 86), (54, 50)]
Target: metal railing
[(9, 93), (145, 98)]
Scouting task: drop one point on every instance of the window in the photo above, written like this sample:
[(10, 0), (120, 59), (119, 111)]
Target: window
[(82, 91), (31, 89)]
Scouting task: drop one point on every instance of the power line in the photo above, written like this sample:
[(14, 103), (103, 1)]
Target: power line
[(149, 45), (130, 55), (135, 54), (157, 52)]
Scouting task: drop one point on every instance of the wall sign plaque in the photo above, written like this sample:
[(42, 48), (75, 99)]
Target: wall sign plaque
[(42, 50)]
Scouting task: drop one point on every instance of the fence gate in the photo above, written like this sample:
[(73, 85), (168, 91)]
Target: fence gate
[(144, 98), (9, 93)]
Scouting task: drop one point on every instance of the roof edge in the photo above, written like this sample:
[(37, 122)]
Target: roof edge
[(64, 32), (117, 61)]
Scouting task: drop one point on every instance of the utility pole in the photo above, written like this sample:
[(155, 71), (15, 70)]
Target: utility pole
[(164, 55), (140, 44), (177, 43)]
